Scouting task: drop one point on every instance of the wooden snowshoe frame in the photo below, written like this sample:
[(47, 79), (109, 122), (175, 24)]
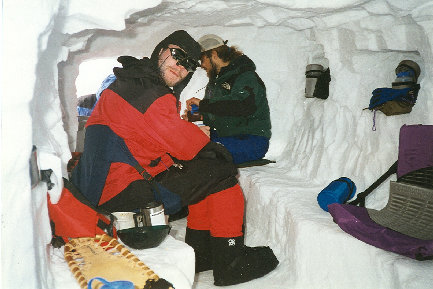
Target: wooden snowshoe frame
[(103, 256)]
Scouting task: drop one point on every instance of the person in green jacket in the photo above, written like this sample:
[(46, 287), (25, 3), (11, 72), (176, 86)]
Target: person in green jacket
[(235, 106)]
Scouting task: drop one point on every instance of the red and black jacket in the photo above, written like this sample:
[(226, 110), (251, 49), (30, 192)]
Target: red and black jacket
[(140, 109)]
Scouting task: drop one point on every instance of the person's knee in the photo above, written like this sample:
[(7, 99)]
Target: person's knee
[(226, 212), (198, 216)]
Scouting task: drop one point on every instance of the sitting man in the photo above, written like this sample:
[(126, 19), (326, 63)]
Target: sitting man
[(235, 104), (141, 107)]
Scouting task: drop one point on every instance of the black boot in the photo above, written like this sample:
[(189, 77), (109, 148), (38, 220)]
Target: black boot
[(235, 263), (200, 241)]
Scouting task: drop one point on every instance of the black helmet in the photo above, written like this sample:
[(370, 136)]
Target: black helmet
[(144, 237)]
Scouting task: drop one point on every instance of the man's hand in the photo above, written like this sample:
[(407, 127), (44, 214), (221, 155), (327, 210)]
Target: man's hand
[(184, 116), (205, 129), (191, 101)]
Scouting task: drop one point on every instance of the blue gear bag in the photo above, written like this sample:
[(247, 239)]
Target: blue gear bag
[(382, 95), (338, 191)]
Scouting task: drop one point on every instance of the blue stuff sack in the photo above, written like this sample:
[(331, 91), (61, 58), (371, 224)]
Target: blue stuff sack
[(338, 191)]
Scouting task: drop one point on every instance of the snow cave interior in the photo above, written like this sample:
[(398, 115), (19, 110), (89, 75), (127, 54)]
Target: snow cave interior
[(55, 51)]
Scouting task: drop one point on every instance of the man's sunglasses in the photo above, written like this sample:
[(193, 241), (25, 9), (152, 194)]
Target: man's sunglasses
[(182, 59)]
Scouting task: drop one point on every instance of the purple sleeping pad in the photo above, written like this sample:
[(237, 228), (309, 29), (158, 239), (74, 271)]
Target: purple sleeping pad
[(356, 222)]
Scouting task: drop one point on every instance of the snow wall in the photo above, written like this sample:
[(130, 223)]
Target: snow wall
[(362, 42)]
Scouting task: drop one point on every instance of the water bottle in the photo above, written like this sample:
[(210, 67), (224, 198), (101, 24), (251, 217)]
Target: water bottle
[(405, 79), (312, 73), (193, 114), (407, 73), (151, 215)]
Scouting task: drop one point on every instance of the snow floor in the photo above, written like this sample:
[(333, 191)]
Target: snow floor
[(282, 212)]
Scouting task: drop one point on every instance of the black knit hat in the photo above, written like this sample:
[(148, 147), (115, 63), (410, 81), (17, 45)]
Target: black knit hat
[(182, 39)]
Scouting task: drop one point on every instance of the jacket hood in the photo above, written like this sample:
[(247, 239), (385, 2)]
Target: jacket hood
[(138, 82), (145, 68), (136, 68), (182, 39)]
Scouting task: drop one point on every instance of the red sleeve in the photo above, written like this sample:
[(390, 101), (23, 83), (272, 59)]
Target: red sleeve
[(152, 134), (182, 139)]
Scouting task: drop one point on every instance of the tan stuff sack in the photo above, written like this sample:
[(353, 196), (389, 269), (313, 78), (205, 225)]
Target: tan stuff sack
[(402, 96), (404, 92), (395, 107)]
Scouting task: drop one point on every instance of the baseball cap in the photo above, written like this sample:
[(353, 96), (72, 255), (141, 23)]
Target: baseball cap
[(210, 41)]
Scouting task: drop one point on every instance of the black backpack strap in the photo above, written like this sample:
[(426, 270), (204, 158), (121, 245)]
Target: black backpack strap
[(148, 177), (360, 198), (134, 163), (56, 241)]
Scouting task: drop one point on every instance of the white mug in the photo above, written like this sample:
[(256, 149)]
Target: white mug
[(124, 220)]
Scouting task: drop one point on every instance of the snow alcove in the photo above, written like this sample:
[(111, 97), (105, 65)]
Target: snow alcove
[(52, 52)]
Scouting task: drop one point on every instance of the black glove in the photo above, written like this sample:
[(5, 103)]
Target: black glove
[(215, 150)]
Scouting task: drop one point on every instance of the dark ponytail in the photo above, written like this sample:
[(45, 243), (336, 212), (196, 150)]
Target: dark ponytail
[(225, 53)]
